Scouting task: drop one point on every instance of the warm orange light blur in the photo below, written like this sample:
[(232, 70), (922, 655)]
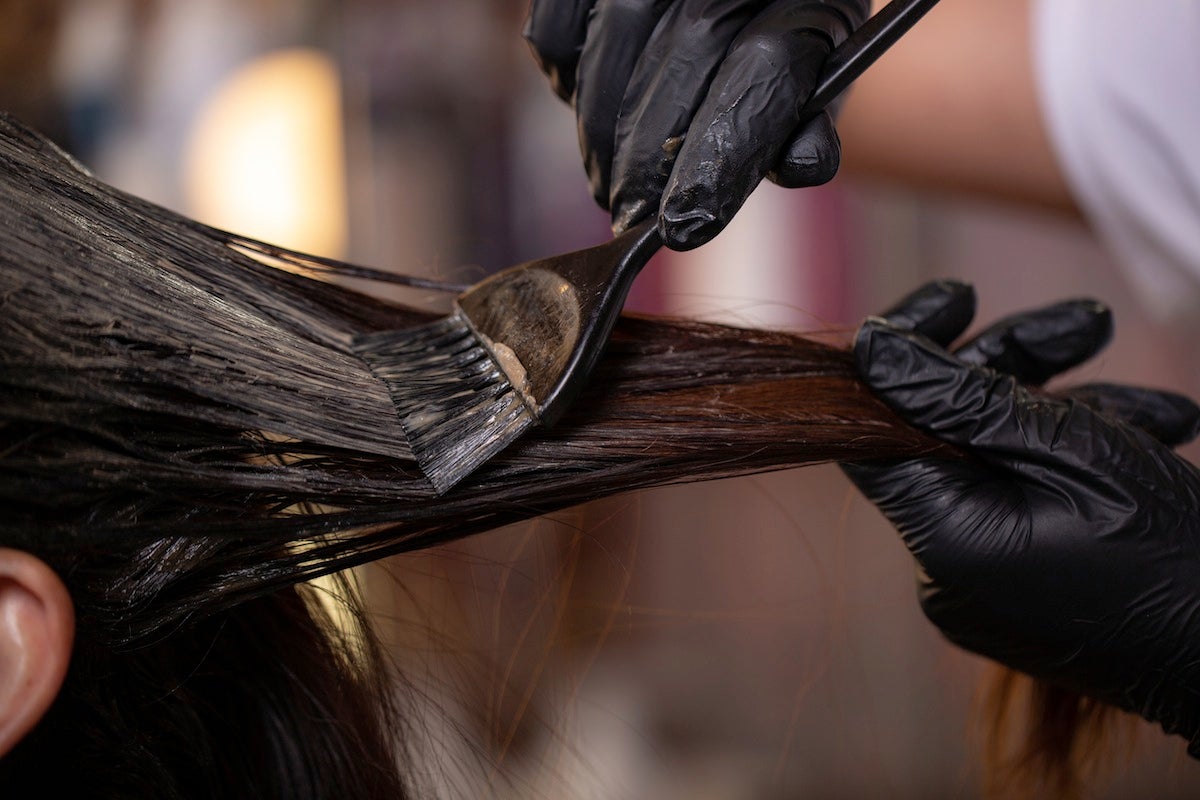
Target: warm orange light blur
[(265, 158)]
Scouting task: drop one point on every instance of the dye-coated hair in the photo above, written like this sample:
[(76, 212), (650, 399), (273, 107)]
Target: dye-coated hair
[(186, 436)]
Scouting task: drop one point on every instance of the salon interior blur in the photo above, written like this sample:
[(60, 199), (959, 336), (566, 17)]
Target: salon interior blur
[(751, 638)]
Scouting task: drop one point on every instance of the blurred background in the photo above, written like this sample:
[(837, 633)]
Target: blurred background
[(753, 638)]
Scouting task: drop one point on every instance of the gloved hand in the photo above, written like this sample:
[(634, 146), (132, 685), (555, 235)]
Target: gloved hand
[(1067, 543), (684, 105)]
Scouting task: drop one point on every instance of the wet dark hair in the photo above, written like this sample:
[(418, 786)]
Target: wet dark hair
[(187, 436)]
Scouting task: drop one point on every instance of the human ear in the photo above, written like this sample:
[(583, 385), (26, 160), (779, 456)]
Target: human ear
[(37, 628)]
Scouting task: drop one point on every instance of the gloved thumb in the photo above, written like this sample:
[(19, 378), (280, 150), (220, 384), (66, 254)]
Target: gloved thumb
[(811, 157)]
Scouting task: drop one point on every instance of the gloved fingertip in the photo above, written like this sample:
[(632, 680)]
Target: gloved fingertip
[(1189, 434), (629, 213), (960, 296), (600, 193), (940, 310), (705, 192), (888, 357), (1034, 346), (1186, 421), (867, 340), (1170, 417), (879, 321), (1084, 328), (1081, 315), (951, 288), (811, 158), (1099, 321), (597, 164), (793, 173), (687, 229)]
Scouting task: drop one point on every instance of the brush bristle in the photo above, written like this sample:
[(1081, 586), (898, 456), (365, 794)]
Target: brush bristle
[(456, 406)]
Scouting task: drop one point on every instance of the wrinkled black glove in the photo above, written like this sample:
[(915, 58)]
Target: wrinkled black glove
[(685, 105), (1067, 544)]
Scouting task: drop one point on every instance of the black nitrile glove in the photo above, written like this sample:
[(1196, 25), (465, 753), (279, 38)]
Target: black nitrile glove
[(1067, 543), (685, 105)]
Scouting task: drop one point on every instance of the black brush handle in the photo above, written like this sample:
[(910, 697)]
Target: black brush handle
[(604, 275), (862, 49)]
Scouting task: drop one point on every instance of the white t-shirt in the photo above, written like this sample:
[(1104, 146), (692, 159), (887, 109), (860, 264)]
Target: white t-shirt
[(1120, 87)]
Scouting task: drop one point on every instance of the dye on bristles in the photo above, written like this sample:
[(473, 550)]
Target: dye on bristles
[(456, 405)]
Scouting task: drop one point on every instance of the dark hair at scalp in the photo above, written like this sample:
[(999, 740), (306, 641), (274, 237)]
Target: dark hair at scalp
[(255, 702), (186, 435)]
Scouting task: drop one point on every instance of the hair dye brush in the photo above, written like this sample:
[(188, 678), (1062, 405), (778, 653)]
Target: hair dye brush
[(519, 345)]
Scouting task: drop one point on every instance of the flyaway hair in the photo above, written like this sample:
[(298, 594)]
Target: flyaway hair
[(186, 430)]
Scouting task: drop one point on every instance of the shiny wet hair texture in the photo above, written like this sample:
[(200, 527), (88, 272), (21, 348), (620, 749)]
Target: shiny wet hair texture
[(186, 436)]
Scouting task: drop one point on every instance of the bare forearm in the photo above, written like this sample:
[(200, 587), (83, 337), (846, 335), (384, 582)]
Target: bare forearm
[(954, 107)]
